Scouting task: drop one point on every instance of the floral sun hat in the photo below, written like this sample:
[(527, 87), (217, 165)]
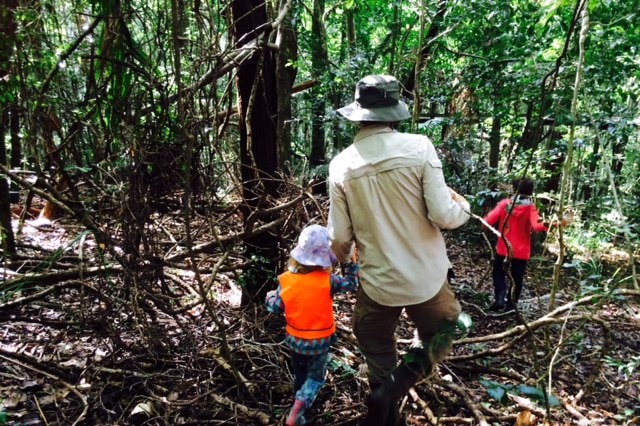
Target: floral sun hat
[(314, 247)]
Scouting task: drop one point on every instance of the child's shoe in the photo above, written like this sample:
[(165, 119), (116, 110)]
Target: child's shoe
[(498, 301), (296, 415)]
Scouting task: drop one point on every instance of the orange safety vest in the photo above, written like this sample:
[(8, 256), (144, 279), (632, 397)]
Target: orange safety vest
[(308, 305)]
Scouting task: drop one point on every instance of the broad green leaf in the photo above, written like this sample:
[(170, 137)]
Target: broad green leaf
[(495, 390), (537, 394)]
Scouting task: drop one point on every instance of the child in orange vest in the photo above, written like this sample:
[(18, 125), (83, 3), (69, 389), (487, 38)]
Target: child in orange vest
[(305, 295)]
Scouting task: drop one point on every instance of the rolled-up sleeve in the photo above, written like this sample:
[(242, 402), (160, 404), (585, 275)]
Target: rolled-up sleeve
[(339, 224), (442, 209)]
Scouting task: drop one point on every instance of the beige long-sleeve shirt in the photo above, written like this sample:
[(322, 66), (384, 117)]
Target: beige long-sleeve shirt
[(388, 194)]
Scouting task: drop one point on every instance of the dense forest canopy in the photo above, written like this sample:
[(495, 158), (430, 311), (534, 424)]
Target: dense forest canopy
[(157, 154)]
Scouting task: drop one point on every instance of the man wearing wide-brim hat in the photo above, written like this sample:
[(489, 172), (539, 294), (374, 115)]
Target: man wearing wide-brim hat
[(388, 194)]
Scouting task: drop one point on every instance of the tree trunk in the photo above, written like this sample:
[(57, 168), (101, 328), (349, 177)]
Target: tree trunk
[(16, 140), (494, 137), (350, 26), (618, 148), (6, 230), (7, 41), (337, 99), (567, 166), (7, 35), (590, 191), (285, 77), (257, 107), (319, 65), (425, 49), (395, 31)]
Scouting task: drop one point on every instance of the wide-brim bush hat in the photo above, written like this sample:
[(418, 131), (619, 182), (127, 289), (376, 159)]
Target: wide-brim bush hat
[(377, 98), (314, 247)]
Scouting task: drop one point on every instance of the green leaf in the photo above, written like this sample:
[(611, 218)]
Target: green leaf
[(495, 390), (337, 365), (497, 393), (464, 322), (537, 394)]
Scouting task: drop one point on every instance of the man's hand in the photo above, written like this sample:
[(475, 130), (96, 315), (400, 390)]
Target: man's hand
[(457, 197)]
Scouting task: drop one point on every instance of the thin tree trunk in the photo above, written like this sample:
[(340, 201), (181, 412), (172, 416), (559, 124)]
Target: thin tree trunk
[(568, 162), (285, 77), (592, 165), (494, 136), (350, 25), (626, 231), (319, 65), (16, 140), (395, 31), (7, 42), (6, 230), (425, 48), (417, 99)]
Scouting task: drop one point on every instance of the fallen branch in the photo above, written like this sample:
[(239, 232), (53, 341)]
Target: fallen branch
[(201, 248), (574, 411), (55, 277), (39, 295), (549, 318), (527, 404), (431, 418), (59, 379), (222, 362), (235, 407), (468, 402)]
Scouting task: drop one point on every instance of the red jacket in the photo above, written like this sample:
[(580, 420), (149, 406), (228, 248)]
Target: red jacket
[(308, 305), (522, 221)]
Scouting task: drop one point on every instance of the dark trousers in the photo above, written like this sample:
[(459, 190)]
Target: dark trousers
[(374, 326), (502, 285)]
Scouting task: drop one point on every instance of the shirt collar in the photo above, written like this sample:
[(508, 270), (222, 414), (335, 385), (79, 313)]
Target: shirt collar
[(521, 200), (369, 131)]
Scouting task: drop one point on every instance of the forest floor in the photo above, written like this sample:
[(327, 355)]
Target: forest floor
[(83, 350)]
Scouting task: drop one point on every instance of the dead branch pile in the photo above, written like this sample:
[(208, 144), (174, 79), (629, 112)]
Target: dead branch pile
[(94, 336)]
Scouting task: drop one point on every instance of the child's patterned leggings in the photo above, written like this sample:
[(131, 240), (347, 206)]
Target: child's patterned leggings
[(309, 375)]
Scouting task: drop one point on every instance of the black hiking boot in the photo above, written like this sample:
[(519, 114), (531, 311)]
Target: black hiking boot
[(382, 404)]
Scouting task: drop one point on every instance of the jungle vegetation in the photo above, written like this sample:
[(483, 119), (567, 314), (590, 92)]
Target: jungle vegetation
[(157, 154)]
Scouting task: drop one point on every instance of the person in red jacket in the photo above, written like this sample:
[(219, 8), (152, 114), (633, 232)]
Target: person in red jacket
[(516, 217), (305, 296)]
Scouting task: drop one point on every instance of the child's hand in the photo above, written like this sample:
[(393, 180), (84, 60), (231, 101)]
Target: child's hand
[(567, 218), (353, 253)]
